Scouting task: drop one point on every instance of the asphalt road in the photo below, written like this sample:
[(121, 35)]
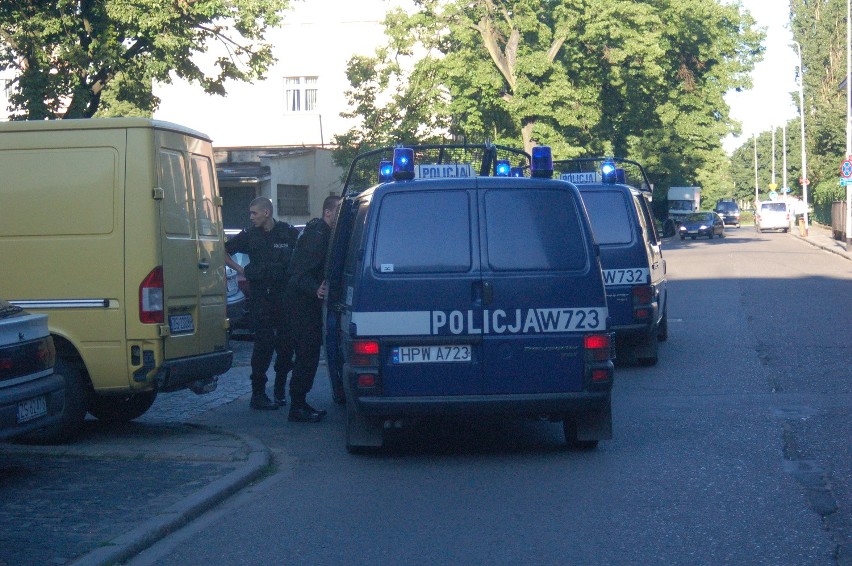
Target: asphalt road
[(734, 449)]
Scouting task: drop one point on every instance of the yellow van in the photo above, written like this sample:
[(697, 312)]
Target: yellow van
[(112, 227)]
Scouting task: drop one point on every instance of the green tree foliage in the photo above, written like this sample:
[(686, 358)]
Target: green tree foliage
[(820, 28), (640, 79), (70, 56)]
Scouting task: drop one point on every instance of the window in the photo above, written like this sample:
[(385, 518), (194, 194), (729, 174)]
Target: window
[(293, 200), (300, 94), (608, 214), (533, 230), (423, 232)]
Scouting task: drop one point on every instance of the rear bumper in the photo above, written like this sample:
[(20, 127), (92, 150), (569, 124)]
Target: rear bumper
[(52, 387), (176, 374), (528, 404)]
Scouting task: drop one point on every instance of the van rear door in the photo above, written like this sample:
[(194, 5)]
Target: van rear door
[(540, 296), (192, 254), (422, 282)]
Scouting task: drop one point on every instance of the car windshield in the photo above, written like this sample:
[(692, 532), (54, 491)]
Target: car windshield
[(700, 217), (726, 207)]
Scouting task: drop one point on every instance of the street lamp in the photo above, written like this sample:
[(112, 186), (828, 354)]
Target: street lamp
[(802, 115)]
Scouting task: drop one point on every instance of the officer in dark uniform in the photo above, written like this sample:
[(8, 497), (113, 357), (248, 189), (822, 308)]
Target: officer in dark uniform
[(269, 245), (306, 291)]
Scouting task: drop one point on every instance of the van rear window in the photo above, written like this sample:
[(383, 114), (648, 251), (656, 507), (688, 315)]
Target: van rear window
[(423, 232), (533, 230), (608, 213), (774, 207)]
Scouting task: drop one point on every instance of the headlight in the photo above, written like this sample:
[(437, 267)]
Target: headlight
[(703, 227)]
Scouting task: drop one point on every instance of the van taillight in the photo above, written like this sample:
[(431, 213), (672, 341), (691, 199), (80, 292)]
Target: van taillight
[(597, 347), (151, 297), (643, 296), (365, 353)]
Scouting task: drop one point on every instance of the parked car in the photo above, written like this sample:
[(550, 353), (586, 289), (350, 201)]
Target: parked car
[(729, 211), (32, 396), (700, 224), (772, 215)]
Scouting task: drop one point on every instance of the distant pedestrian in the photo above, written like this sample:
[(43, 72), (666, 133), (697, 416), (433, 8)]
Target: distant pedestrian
[(306, 292), (269, 245)]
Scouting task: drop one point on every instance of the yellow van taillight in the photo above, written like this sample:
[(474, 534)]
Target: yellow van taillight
[(151, 297)]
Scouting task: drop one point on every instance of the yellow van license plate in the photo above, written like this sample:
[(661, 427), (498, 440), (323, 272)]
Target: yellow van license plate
[(32, 409), (181, 324)]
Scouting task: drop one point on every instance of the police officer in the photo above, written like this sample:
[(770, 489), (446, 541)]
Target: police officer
[(269, 245), (306, 291)]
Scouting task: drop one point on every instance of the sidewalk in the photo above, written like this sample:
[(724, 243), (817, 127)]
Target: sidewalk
[(820, 236), (118, 489)]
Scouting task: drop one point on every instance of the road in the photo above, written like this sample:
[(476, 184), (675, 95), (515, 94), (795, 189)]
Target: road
[(734, 449)]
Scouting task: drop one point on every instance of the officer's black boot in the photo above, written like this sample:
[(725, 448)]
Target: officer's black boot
[(259, 400), (301, 412)]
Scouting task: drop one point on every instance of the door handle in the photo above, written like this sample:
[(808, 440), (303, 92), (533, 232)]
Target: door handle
[(483, 293)]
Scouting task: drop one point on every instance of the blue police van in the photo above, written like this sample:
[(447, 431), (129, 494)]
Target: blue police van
[(617, 195), (462, 284)]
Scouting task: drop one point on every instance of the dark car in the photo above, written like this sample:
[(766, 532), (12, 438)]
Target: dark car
[(702, 224), (729, 211), (32, 396)]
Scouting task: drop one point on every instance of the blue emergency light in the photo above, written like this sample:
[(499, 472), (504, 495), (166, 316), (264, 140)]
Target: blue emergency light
[(541, 164), (403, 164), (502, 168), (516, 172), (385, 171), (608, 172)]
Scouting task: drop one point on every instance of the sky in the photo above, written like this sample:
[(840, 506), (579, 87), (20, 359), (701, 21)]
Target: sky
[(768, 103)]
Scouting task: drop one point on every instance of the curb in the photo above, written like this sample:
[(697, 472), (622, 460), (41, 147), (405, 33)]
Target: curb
[(128, 545), (816, 244)]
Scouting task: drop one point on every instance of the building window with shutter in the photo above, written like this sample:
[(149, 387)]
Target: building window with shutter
[(300, 94), (293, 200)]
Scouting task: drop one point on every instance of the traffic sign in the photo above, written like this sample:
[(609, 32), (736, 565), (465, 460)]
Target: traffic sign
[(773, 186), (846, 169)]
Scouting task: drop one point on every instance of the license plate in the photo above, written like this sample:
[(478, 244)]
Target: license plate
[(181, 324), (32, 409), (430, 354)]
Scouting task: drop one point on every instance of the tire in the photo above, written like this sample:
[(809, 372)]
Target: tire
[(710, 236), (663, 327), (74, 412), (121, 408), (649, 355), (569, 427)]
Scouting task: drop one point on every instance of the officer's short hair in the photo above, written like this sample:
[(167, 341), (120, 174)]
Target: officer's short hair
[(263, 203), (330, 202)]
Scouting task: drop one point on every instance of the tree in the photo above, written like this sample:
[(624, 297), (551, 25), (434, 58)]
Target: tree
[(641, 79), (820, 28), (68, 54)]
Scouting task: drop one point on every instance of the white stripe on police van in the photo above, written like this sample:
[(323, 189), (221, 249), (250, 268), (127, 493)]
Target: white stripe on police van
[(498, 321), (399, 323), (630, 276)]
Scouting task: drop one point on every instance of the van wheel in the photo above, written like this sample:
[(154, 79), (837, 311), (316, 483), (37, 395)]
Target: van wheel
[(121, 408), (569, 427), (647, 353), (663, 327), (74, 412), (363, 435)]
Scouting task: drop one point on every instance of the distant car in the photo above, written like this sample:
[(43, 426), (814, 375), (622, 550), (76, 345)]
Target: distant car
[(729, 211), (32, 396), (772, 215), (700, 224)]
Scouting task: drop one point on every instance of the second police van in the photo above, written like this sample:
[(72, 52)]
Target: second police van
[(459, 285), (617, 196)]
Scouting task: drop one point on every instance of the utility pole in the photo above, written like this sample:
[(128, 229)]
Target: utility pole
[(848, 119), (804, 155), (784, 156), (756, 189)]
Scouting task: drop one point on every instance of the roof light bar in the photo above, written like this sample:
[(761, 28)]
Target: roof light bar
[(541, 164), (502, 168), (385, 171), (608, 172), (403, 164), (516, 172)]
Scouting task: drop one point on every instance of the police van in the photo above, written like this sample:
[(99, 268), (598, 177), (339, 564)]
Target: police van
[(464, 284), (112, 227), (617, 196)]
